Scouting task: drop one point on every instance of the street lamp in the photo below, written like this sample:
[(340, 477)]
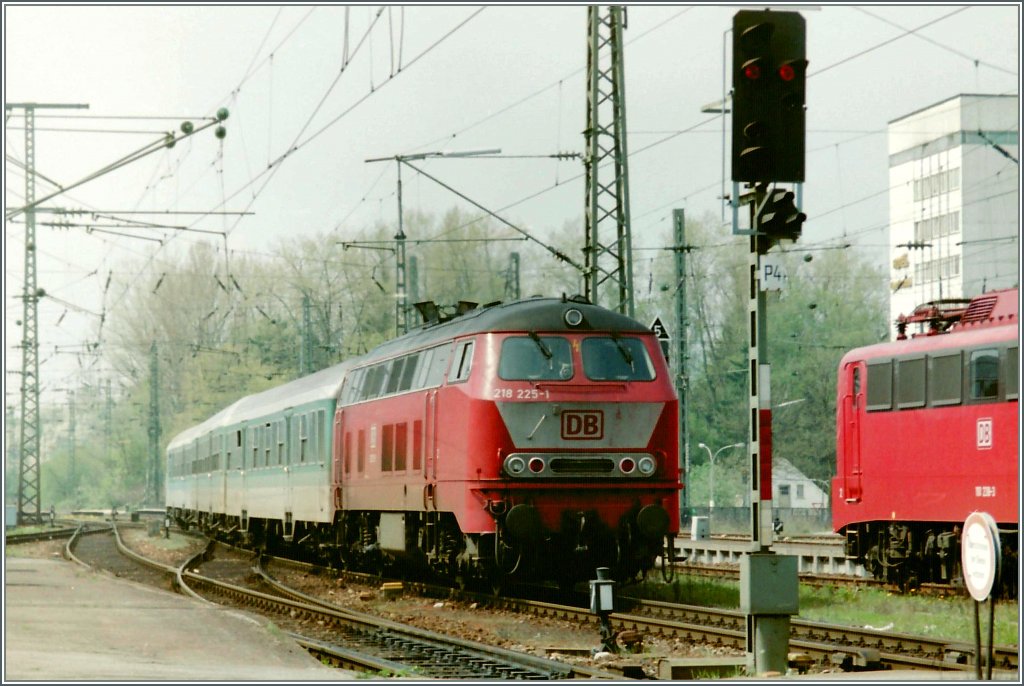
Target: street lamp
[(711, 494)]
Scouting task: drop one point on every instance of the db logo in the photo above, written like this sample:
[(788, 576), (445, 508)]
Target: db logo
[(582, 425), (984, 433)]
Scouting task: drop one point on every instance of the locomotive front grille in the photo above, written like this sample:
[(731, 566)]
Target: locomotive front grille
[(581, 465)]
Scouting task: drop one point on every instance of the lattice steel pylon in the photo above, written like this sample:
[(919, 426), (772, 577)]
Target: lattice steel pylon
[(608, 250), (29, 443)]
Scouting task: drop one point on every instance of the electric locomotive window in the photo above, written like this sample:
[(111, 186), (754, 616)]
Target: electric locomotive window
[(535, 358), (463, 362), (945, 379), (910, 383), (616, 359), (880, 386), (1011, 367), (984, 369)]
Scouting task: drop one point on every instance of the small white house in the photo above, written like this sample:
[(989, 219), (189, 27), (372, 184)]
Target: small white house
[(791, 488)]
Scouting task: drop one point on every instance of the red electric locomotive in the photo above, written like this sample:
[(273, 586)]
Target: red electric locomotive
[(535, 439), (926, 433)]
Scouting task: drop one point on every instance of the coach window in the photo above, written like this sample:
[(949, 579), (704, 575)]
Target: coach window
[(910, 383), (303, 437), (463, 362), (880, 386), (945, 379), (280, 441), (254, 435), (1011, 368), (984, 369)]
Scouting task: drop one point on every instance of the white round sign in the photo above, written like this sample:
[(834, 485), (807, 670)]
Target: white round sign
[(980, 554)]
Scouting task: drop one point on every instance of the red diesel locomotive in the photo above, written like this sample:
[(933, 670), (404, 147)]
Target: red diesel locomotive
[(531, 440), (926, 433)]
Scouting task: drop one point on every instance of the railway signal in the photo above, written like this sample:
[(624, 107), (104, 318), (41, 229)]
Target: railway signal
[(778, 217), (769, 86)]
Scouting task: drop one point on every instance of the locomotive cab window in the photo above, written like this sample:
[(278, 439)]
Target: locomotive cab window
[(533, 358), (463, 363), (984, 370), (879, 386), (616, 359)]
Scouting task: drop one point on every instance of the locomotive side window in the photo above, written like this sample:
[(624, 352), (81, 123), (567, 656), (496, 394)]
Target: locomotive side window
[(984, 370), (463, 362), (616, 359), (409, 372), (395, 377), (361, 451), (1011, 368), (438, 366), (945, 379), (910, 383), (387, 447), (880, 386), (535, 358)]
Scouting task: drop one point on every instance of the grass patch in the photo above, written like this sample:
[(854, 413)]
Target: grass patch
[(951, 619)]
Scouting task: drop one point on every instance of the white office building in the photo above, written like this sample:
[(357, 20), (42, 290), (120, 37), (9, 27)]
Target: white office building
[(954, 200)]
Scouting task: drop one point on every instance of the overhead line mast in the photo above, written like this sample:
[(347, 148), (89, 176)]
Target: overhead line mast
[(29, 443), (609, 259)]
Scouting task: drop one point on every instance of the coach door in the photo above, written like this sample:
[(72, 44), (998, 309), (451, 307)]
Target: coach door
[(340, 459), (853, 407)]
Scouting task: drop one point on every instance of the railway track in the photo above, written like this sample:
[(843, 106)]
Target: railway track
[(339, 636), (849, 648)]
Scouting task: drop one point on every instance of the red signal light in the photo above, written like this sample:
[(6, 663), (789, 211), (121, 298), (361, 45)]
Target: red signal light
[(752, 72), (787, 73)]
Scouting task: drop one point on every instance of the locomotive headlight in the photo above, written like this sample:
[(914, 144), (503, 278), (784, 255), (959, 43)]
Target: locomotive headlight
[(515, 465), (573, 317), (536, 465), (627, 465), (647, 465)]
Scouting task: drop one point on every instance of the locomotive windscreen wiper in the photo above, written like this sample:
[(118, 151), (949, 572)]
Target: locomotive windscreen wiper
[(540, 344), (626, 355)]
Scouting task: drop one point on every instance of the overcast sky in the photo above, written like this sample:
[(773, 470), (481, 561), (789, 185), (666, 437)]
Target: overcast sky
[(313, 91)]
